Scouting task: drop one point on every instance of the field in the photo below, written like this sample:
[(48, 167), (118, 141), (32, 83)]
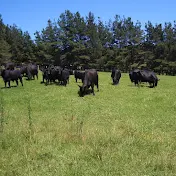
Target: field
[(122, 130)]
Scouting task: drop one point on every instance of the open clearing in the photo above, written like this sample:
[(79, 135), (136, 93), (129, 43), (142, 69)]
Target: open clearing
[(122, 130)]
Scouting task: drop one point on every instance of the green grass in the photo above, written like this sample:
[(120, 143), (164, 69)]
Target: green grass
[(122, 130)]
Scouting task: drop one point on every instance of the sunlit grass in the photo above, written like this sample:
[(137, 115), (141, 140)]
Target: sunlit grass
[(122, 130)]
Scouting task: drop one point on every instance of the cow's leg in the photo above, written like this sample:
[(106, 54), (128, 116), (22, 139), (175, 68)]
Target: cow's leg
[(156, 83), (64, 82), (46, 82), (76, 79), (9, 83), (113, 81), (21, 81), (5, 83), (43, 80), (17, 82), (136, 82), (97, 87), (97, 84), (92, 86)]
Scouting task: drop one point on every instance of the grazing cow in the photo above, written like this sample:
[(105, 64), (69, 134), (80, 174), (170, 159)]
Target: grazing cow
[(90, 79), (145, 76), (11, 75), (115, 75), (79, 75)]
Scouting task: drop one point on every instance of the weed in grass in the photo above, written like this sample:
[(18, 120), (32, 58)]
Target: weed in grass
[(29, 113)]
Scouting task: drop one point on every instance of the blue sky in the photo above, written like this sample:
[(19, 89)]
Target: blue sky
[(32, 15)]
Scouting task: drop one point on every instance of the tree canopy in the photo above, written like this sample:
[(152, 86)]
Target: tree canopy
[(73, 40)]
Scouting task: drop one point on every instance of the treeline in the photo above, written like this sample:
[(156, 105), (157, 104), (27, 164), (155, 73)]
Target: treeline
[(88, 42)]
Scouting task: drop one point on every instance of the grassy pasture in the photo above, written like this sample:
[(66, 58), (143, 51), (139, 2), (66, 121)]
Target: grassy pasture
[(122, 130)]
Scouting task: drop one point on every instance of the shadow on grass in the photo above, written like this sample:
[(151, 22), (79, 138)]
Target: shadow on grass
[(54, 83), (115, 84), (141, 85), (30, 79), (8, 87)]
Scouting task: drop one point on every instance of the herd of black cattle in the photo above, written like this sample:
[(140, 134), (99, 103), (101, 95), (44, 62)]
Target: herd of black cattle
[(89, 77)]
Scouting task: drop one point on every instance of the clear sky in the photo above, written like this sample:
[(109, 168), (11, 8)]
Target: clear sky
[(32, 15)]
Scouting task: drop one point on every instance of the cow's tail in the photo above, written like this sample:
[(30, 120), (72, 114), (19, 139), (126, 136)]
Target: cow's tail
[(156, 83), (29, 75), (97, 83)]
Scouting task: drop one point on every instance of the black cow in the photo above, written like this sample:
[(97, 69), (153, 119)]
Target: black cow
[(31, 70), (90, 79), (43, 66), (23, 70), (53, 73), (145, 76), (79, 75), (11, 75), (131, 74), (70, 71), (115, 75), (65, 76), (45, 74), (10, 66)]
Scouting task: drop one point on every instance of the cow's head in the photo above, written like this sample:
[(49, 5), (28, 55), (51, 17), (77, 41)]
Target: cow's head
[(115, 81), (82, 91)]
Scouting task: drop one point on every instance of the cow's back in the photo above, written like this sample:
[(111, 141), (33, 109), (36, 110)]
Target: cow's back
[(15, 74), (11, 74), (91, 76), (10, 66)]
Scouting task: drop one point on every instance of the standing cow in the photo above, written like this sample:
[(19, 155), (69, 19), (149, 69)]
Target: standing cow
[(79, 75), (90, 79), (31, 70), (115, 75), (145, 76), (65, 76), (132, 74), (11, 75)]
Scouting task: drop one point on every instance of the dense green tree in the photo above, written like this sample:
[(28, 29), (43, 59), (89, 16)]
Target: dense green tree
[(89, 42)]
